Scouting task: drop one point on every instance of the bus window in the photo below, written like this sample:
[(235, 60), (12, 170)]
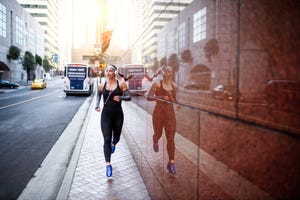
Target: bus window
[(78, 79), (137, 81)]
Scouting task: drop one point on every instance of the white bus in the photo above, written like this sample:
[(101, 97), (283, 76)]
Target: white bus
[(135, 73), (78, 79)]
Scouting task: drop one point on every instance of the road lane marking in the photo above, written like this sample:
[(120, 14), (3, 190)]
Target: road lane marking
[(34, 98), (18, 95)]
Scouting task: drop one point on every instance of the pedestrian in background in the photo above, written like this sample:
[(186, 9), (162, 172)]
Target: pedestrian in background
[(114, 92), (164, 93)]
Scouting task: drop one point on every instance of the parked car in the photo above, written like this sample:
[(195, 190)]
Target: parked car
[(283, 95), (227, 93), (38, 84), (8, 84)]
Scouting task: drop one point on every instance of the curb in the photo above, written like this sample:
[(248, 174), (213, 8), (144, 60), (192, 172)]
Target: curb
[(65, 188), (47, 180)]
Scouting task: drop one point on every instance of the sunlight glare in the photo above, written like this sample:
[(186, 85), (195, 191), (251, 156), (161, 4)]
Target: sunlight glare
[(87, 15)]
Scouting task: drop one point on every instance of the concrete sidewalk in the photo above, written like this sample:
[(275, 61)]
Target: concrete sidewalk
[(86, 179)]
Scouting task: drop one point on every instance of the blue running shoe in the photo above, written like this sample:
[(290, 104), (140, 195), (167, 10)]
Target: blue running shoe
[(113, 147), (108, 170), (155, 147), (171, 168)]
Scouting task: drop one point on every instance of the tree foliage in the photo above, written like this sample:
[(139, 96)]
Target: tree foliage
[(46, 64), (13, 53), (38, 60), (28, 63), (186, 56), (163, 61), (211, 48), (155, 65), (173, 61)]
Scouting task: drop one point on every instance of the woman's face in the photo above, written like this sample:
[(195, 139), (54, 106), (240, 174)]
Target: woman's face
[(168, 73), (110, 72)]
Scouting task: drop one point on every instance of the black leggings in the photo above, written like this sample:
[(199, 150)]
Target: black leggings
[(111, 126)]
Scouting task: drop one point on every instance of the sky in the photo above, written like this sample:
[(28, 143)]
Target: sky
[(85, 15)]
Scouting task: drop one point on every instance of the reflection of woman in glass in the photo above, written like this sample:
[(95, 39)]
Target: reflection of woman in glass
[(114, 92), (164, 92)]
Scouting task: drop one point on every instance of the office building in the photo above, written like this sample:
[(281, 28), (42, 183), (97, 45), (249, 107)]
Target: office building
[(46, 13), (155, 15), (18, 28)]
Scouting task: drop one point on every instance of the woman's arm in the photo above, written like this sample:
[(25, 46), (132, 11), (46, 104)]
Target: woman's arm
[(98, 97), (151, 93), (126, 94), (178, 107), (175, 86)]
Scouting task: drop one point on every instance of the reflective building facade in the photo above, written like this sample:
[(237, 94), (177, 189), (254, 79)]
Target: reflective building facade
[(236, 64)]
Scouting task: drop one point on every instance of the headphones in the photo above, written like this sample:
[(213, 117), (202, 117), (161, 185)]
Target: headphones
[(115, 68)]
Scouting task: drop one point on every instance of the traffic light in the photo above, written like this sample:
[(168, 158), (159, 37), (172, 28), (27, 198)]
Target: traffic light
[(102, 66)]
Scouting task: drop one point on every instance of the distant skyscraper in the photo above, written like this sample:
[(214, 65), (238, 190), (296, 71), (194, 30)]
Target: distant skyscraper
[(46, 13), (135, 36), (155, 15), (65, 32), (101, 20)]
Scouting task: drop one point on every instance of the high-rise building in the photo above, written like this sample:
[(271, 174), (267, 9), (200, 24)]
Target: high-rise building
[(65, 32), (46, 13), (156, 13)]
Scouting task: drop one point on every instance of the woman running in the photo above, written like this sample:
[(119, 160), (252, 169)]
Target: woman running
[(114, 92)]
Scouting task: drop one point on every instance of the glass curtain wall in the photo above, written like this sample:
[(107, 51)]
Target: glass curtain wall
[(236, 71)]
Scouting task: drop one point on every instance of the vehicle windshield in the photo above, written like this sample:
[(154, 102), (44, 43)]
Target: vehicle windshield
[(38, 80)]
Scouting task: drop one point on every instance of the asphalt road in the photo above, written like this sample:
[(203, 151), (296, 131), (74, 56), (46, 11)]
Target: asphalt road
[(31, 121)]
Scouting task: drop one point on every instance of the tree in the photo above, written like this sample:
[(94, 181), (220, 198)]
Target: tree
[(155, 64), (28, 63), (186, 56), (211, 48), (173, 61), (38, 60), (46, 64), (13, 53), (163, 61)]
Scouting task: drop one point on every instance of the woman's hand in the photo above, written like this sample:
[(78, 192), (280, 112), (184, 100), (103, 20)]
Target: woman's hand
[(98, 109), (117, 98), (167, 98)]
